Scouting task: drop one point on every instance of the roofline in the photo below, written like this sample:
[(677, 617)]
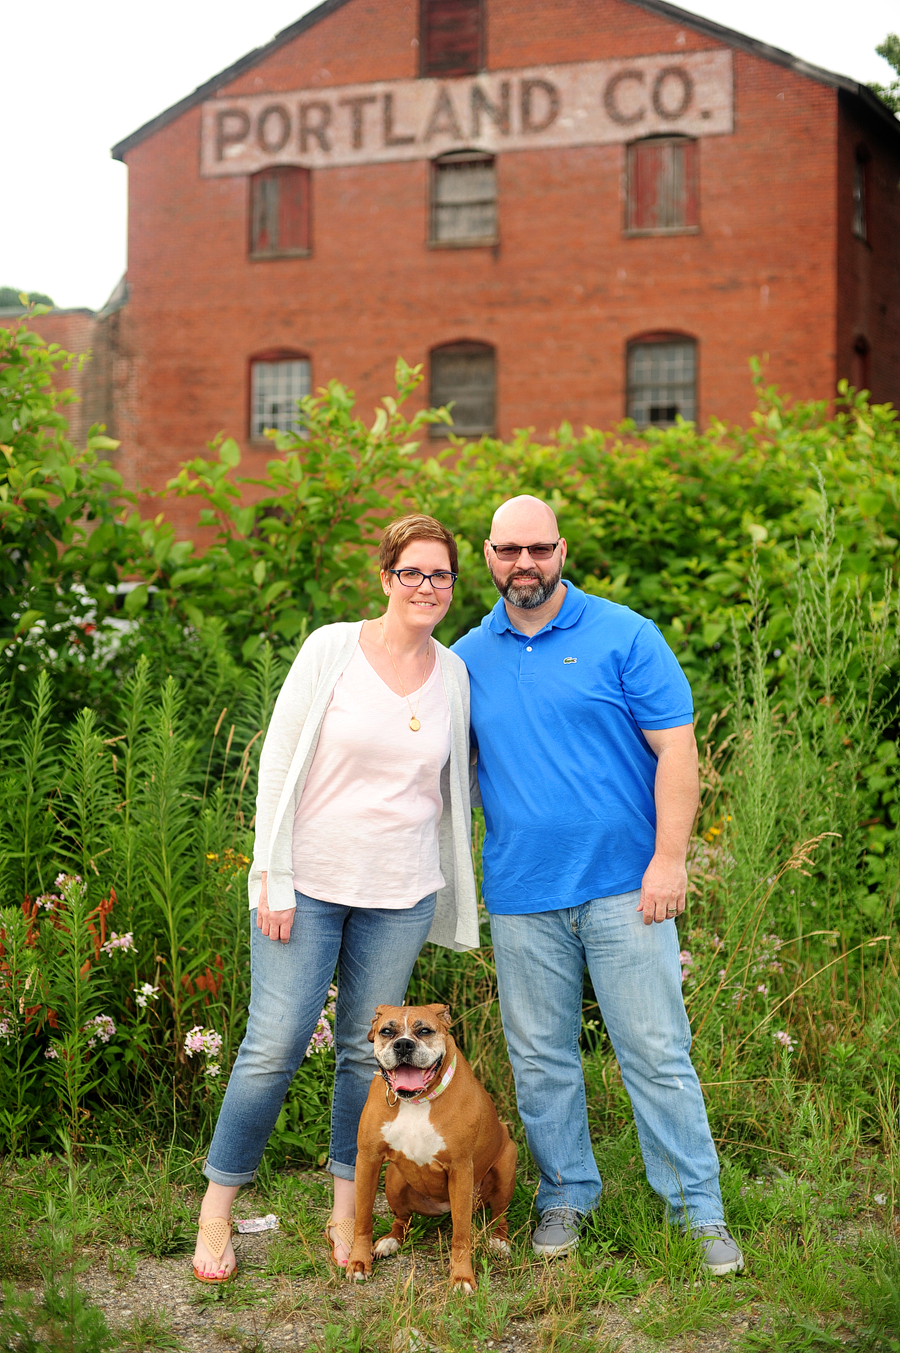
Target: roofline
[(12, 311), (729, 36), (755, 47), (224, 77)]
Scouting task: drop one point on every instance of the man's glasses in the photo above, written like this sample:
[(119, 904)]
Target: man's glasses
[(510, 552), (414, 577)]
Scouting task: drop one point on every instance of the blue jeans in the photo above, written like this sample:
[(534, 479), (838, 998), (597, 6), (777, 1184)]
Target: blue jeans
[(636, 975), (374, 950)]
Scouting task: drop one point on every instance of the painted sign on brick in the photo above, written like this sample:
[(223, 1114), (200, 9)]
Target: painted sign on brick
[(587, 103)]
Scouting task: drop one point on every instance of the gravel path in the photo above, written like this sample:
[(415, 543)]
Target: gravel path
[(260, 1312)]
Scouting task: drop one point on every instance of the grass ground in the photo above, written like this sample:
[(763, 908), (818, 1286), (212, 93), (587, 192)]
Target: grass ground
[(95, 1256)]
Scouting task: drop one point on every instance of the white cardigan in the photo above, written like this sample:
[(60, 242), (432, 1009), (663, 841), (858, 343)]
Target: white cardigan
[(286, 757)]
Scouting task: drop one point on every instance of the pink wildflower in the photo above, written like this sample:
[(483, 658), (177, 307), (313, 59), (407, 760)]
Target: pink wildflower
[(323, 1037), (104, 1028), (201, 1040), (5, 1029), (123, 942), (51, 1052), (784, 1039), (763, 989)]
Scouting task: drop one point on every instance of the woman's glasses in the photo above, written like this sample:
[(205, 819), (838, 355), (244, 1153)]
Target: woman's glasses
[(414, 577), (510, 552)]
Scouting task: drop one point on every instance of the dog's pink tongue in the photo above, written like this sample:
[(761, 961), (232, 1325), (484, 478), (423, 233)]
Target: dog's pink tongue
[(408, 1078)]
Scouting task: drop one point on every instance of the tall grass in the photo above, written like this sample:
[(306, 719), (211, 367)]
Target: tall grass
[(789, 942)]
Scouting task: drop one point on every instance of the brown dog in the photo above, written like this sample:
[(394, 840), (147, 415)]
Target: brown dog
[(437, 1127)]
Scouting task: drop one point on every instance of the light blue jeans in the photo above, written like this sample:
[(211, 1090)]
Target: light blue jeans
[(374, 950), (636, 974)]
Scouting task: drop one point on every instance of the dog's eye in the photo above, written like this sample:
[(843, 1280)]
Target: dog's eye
[(424, 1033), (386, 1032)]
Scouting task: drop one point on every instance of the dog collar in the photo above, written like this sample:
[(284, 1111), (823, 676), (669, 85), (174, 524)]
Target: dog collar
[(425, 1095)]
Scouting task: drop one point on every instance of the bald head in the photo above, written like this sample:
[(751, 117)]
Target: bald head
[(524, 582), (524, 518)]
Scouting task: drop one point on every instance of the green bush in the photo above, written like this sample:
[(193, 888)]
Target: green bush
[(62, 537), (130, 737)]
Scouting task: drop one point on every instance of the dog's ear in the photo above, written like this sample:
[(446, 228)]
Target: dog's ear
[(376, 1019), (443, 1014)]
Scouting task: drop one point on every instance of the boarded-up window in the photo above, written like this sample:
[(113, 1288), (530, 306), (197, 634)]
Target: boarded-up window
[(275, 387), (662, 380), (464, 374), (451, 38), (662, 184), (463, 199), (859, 196), (279, 212)]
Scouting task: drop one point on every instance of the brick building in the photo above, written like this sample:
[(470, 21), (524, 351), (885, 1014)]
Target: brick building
[(566, 209)]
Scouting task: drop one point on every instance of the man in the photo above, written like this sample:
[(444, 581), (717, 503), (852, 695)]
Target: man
[(587, 766)]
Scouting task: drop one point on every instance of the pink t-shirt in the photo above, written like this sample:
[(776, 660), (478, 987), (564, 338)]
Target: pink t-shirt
[(366, 828)]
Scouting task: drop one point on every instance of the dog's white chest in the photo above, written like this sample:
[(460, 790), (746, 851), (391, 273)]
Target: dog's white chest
[(412, 1135)]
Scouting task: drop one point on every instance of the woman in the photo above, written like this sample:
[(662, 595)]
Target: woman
[(362, 853)]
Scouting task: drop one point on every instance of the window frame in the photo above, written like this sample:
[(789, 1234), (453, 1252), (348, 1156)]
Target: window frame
[(692, 189), (438, 431), (279, 171), (658, 338), (270, 356), (435, 167), (424, 72)]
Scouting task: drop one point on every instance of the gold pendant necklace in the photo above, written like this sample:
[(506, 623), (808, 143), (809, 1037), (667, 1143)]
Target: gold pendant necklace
[(413, 720)]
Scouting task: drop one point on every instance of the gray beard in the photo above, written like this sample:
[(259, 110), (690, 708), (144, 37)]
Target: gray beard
[(527, 598)]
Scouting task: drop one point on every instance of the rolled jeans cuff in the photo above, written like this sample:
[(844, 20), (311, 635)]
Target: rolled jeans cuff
[(339, 1170), (228, 1181)]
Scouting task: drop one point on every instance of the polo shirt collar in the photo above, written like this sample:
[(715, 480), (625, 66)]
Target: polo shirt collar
[(567, 615)]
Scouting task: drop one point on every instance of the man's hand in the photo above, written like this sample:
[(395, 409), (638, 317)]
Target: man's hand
[(677, 793), (663, 890), (275, 924)]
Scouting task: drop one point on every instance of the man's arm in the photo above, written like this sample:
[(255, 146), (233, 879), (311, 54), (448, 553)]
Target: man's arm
[(677, 795)]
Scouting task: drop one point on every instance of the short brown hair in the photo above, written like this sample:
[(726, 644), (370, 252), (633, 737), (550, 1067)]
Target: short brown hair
[(416, 526)]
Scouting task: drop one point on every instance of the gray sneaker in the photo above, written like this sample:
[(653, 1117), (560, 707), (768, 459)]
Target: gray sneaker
[(721, 1253), (557, 1232)]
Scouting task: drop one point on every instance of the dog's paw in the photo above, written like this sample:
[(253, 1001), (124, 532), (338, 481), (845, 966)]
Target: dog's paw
[(358, 1270), (464, 1285), (385, 1246), (499, 1246)]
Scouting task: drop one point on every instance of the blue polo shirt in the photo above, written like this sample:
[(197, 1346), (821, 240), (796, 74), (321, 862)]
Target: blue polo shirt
[(565, 773)]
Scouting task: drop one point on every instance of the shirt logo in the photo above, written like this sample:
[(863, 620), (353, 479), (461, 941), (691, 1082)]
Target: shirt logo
[(568, 660)]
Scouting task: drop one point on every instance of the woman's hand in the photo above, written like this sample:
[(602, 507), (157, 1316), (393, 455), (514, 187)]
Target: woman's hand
[(275, 924)]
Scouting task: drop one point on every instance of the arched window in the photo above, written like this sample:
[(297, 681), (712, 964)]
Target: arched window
[(463, 198), (465, 374), (662, 379), (662, 185), (279, 213), (451, 37), (277, 380)]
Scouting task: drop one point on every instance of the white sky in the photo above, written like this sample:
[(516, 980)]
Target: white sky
[(79, 78)]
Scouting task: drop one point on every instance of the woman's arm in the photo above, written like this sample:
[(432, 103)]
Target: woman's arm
[(275, 924)]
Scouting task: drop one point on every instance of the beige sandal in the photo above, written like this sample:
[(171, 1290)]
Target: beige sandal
[(345, 1229), (216, 1233)]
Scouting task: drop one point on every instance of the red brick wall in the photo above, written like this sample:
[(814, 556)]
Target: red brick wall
[(559, 297), (869, 270)]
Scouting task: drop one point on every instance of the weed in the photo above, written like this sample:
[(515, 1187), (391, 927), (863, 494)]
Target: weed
[(146, 1333)]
